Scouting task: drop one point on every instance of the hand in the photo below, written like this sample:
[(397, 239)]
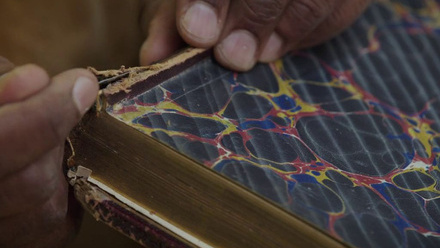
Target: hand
[(243, 32), (36, 115)]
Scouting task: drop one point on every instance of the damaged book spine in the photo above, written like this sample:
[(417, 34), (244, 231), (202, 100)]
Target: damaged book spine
[(103, 203), (112, 212)]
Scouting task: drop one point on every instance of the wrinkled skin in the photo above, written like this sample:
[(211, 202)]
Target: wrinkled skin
[(243, 32), (38, 111)]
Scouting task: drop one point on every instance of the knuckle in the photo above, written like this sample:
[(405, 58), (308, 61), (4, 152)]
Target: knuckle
[(309, 10), (338, 21), (302, 16), (264, 12)]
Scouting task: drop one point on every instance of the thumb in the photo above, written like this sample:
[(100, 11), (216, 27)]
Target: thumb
[(31, 128)]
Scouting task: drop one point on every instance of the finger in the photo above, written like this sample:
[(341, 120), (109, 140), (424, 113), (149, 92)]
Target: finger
[(341, 18), (5, 65), (299, 19), (200, 23), (21, 83), (33, 185), (163, 37), (33, 127), (249, 26), (273, 49)]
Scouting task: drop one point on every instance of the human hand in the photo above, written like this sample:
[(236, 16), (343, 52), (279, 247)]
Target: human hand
[(36, 115), (243, 32)]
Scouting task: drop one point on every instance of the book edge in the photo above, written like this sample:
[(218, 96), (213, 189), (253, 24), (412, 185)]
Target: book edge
[(99, 200), (315, 235), (123, 88)]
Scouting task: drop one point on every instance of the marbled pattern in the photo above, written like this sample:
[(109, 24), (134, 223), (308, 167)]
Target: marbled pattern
[(345, 135)]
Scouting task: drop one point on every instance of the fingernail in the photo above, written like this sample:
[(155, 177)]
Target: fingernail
[(272, 49), (238, 50), (200, 21), (84, 93)]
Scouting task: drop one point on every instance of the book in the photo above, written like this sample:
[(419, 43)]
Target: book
[(334, 146)]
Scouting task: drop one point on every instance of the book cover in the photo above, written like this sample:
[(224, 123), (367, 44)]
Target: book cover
[(333, 146)]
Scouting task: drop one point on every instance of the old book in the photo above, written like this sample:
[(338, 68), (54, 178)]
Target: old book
[(328, 147)]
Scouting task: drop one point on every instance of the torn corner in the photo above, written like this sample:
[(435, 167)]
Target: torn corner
[(80, 172)]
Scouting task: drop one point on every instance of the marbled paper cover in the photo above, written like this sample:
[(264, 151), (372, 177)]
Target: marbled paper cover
[(345, 135)]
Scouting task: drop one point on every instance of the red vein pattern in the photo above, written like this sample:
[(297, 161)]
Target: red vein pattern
[(345, 135)]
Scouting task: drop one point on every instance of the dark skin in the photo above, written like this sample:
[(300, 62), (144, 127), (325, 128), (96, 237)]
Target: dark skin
[(37, 111), (243, 32)]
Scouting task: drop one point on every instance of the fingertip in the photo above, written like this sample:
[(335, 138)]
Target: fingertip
[(31, 72), (158, 46), (22, 83), (82, 85), (84, 93), (199, 24), (163, 38), (272, 49), (85, 88), (237, 51), (150, 52), (153, 50)]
